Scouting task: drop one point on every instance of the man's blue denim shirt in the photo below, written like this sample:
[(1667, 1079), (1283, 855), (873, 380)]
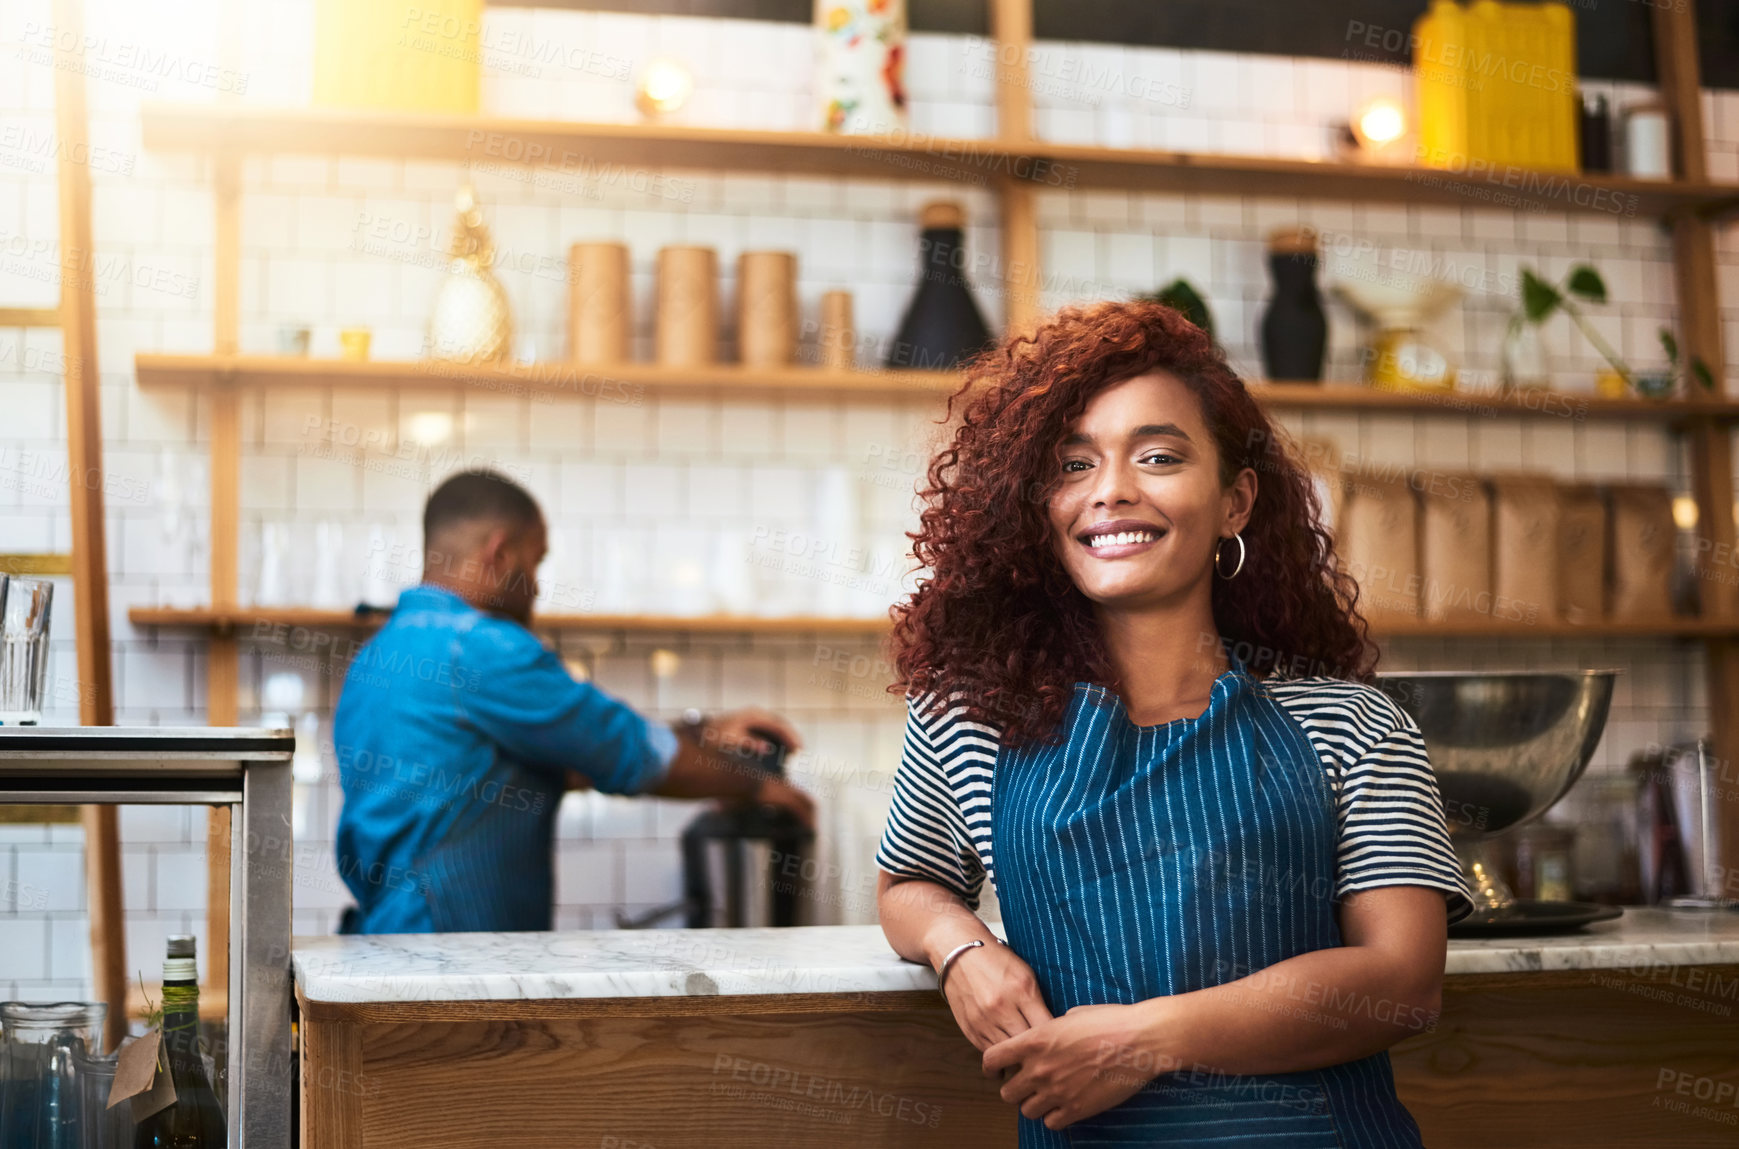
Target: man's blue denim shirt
[(454, 735)]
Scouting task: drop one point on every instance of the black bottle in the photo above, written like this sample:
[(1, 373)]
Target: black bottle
[(942, 325), (195, 1121), (1595, 134), (1294, 328)]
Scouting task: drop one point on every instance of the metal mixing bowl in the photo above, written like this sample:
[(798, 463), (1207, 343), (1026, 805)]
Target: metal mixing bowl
[(1505, 745)]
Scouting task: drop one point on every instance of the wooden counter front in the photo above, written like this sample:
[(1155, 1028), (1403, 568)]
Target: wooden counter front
[(647, 1073), (1603, 1058), (1641, 1050)]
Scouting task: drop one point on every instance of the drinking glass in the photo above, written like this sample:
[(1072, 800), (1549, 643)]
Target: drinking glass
[(38, 1061), (621, 570), (389, 568), (680, 571), (732, 576), (24, 650), (102, 1127), (273, 587), (331, 581), (783, 570)]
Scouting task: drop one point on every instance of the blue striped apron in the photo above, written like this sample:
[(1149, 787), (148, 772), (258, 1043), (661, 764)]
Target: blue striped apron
[(1140, 861)]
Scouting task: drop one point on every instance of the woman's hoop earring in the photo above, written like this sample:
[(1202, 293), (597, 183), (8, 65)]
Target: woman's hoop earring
[(1239, 539)]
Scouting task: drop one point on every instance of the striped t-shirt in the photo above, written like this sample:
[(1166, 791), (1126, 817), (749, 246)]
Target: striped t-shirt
[(1388, 812)]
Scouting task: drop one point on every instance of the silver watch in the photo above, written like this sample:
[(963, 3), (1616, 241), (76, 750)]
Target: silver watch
[(692, 723)]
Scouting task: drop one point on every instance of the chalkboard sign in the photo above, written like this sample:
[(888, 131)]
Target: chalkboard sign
[(1613, 40)]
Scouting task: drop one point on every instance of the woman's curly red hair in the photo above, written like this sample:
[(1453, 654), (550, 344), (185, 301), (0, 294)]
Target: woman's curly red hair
[(998, 625)]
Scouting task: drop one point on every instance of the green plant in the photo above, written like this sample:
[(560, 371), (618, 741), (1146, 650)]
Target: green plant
[(1699, 370), (1181, 295), (1540, 300)]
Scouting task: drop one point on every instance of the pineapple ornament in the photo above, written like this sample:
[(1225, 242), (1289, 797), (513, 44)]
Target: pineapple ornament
[(470, 322)]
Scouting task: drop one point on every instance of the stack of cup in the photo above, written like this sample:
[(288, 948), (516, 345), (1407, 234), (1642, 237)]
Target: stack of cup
[(838, 339), (767, 308), (599, 308), (687, 323)]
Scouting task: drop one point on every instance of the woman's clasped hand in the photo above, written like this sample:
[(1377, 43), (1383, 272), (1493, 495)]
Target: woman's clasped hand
[(1072, 1067), (1055, 1069), (994, 995)]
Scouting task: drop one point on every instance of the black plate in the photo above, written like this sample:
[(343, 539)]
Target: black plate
[(1532, 917)]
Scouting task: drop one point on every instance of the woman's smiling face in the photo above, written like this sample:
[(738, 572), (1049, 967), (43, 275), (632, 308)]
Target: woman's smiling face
[(1140, 508)]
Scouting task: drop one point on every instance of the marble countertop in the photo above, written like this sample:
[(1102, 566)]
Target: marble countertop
[(602, 963), (849, 960), (1645, 938)]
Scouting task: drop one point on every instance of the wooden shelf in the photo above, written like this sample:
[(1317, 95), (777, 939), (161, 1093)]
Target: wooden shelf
[(1542, 404), (577, 149), (585, 151), (1575, 193), (619, 383), (628, 381), (1508, 630), (262, 619)]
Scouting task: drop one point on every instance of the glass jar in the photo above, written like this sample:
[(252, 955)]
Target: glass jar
[(38, 1060), (1545, 862), (1606, 866)]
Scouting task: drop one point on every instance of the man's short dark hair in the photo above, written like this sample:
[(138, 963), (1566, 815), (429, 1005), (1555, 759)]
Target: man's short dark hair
[(478, 496)]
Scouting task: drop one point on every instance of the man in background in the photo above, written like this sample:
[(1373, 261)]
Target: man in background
[(458, 731)]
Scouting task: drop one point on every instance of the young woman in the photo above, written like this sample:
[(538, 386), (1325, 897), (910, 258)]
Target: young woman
[(1135, 701)]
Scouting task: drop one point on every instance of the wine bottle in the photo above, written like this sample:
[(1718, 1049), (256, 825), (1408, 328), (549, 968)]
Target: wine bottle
[(195, 1121), (942, 324)]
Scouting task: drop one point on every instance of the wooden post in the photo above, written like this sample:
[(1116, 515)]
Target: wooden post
[(1012, 27), (1020, 255), (1710, 444), (78, 329), (1681, 82), (90, 575), (222, 658)]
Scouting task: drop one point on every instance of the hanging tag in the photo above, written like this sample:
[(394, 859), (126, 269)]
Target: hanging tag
[(159, 1097), (134, 1068), (142, 1077)]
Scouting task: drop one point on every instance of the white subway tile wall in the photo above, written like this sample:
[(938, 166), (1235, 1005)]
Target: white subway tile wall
[(630, 481)]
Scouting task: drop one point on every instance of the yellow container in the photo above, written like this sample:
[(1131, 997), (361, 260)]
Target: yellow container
[(353, 343), (1401, 359), (422, 57), (1440, 84), (1496, 85)]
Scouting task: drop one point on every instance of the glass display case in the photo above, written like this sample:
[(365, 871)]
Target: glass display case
[(247, 770)]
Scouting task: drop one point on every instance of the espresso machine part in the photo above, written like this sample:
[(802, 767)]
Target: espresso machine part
[(742, 864), (757, 851), (1505, 747)]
